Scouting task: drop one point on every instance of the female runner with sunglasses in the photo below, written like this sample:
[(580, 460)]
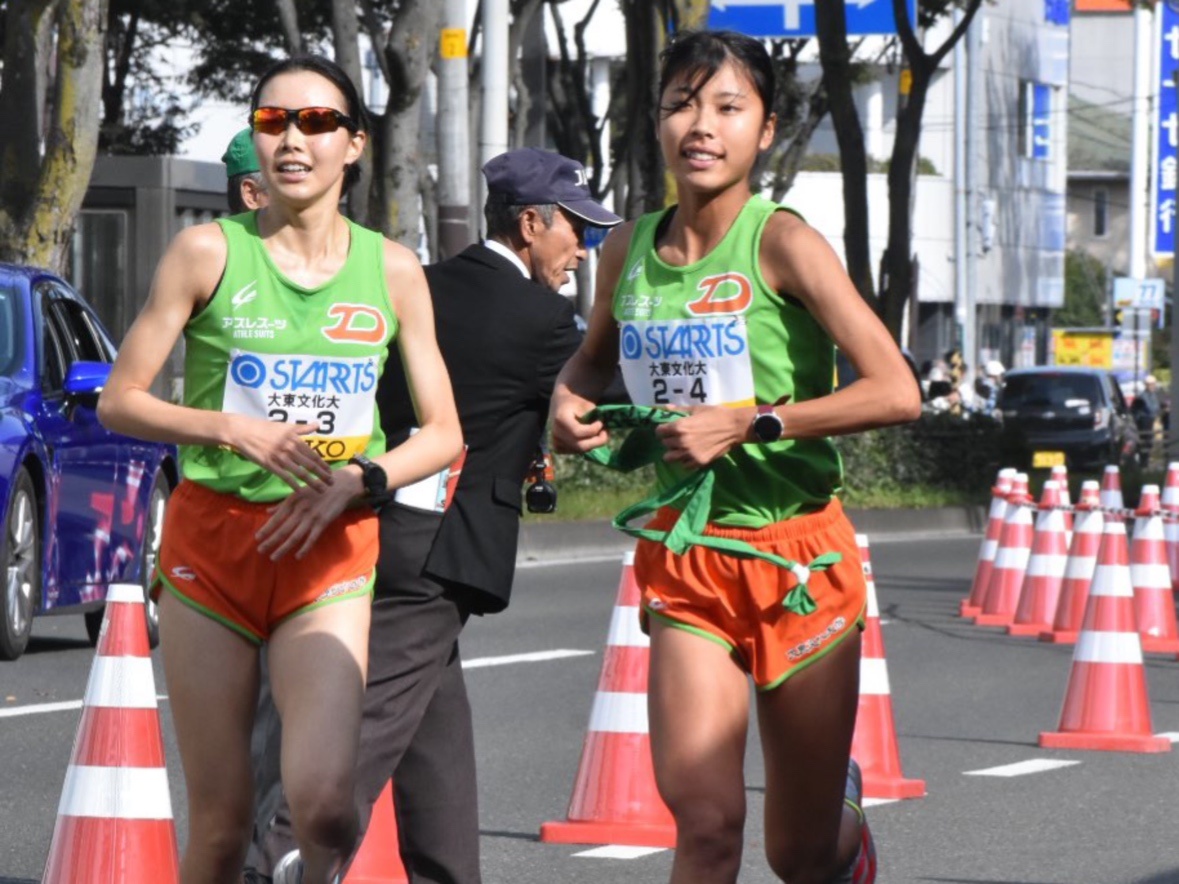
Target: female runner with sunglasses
[(727, 306), (287, 314)]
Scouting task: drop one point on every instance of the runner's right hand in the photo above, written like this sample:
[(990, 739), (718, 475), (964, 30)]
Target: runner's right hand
[(570, 435), (280, 448)]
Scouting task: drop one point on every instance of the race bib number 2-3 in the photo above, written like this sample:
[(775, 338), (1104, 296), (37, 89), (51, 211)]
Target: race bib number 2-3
[(697, 361), (336, 393)]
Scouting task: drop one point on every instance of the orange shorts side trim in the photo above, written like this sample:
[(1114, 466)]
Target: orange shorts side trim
[(738, 602), (209, 559)]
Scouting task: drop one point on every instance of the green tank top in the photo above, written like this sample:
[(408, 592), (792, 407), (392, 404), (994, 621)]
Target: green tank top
[(269, 348), (714, 333)]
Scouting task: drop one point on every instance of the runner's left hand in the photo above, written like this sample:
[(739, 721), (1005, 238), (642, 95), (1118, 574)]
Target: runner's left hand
[(708, 432), (299, 520)]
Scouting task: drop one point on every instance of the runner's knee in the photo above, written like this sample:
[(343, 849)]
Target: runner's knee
[(711, 832), (325, 814), (809, 861)]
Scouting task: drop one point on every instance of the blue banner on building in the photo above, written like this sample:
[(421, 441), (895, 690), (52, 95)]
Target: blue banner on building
[(1166, 137)]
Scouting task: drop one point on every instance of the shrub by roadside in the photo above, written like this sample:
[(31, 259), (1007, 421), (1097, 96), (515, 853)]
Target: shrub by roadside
[(939, 460)]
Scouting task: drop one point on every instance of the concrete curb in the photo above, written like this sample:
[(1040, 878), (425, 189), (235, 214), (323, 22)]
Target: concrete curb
[(556, 541)]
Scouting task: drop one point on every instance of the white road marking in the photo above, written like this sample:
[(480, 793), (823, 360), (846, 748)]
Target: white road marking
[(535, 657), (619, 851), (39, 708), (876, 802), (477, 663), (1173, 736), (1019, 769)]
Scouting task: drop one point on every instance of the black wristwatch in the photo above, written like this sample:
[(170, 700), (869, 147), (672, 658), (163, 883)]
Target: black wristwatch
[(767, 425), (373, 475)]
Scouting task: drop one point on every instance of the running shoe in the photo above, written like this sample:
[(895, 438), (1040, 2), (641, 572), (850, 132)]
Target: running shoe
[(289, 870), (862, 869)]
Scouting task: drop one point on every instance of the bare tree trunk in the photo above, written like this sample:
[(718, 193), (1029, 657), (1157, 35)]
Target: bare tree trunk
[(36, 229), (787, 163), (22, 97), (898, 259), (640, 155), (690, 14), (405, 59), (831, 25), (288, 18), (346, 42)]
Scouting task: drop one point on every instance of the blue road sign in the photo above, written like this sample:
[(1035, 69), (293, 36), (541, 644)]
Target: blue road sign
[(1165, 175), (1056, 12), (796, 18)]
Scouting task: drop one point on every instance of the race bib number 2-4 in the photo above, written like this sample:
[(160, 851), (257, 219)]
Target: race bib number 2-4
[(337, 393), (697, 361)]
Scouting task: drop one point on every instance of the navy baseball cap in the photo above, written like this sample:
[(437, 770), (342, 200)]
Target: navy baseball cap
[(533, 177)]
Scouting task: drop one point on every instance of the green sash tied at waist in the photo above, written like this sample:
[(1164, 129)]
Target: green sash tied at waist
[(692, 495)]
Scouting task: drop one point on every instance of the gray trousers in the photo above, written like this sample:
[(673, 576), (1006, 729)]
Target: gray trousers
[(416, 722)]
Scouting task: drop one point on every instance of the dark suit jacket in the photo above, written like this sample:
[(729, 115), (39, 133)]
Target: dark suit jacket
[(504, 338)]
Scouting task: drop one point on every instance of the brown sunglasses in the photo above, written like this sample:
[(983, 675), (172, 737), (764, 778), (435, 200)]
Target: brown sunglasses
[(308, 120)]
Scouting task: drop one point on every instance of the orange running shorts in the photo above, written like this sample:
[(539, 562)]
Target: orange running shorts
[(738, 602), (209, 559)]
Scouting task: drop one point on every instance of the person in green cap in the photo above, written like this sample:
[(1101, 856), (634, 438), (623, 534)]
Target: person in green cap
[(245, 189)]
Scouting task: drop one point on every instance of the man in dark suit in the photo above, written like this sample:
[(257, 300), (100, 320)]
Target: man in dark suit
[(504, 333)]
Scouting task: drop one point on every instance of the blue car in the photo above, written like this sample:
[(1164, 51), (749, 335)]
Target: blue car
[(80, 507)]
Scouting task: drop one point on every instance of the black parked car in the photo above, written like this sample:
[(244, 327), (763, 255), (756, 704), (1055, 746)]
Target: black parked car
[(1072, 416)]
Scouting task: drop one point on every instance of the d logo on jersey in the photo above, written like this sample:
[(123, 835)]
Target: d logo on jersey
[(356, 324), (723, 293)]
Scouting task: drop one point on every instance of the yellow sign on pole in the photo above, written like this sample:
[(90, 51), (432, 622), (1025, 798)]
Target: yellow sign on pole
[(453, 43), (1093, 349)]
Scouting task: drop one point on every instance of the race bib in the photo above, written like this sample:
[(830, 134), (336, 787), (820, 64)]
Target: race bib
[(433, 493), (337, 393), (697, 361)]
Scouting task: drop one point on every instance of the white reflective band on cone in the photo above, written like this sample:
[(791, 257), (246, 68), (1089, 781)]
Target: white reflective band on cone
[(873, 676), (989, 548), (624, 629), (1108, 647), (1047, 565), (125, 592), (873, 609), (1152, 576), (1080, 566), (1010, 558), (122, 793), (619, 713), (1112, 580), (121, 683)]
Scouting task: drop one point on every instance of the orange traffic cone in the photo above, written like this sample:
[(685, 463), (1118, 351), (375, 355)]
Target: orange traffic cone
[(1078, 572), (1106, 706), (1045, 573), (874, 744), (378, 861), (972, 605), (1154, 602), (615, 800), (1111, 488), (1011, 559), (1171, 519), (114, 821)]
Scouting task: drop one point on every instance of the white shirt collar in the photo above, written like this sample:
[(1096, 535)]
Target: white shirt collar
[(497, 246)]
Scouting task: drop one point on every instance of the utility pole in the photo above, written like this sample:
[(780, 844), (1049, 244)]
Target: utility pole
[(454, 143), (972, 205), (493, 137), (964, 320)]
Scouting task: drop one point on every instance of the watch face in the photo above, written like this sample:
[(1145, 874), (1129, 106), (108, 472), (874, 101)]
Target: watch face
[(768, 427)]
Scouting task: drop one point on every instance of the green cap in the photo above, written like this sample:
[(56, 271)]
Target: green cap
[(239, 157)]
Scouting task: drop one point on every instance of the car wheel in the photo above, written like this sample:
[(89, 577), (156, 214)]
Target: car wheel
[(153, 533), (22, 567), (157, 504)]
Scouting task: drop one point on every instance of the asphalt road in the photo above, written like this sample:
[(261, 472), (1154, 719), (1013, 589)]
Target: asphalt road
[(966, 700)]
